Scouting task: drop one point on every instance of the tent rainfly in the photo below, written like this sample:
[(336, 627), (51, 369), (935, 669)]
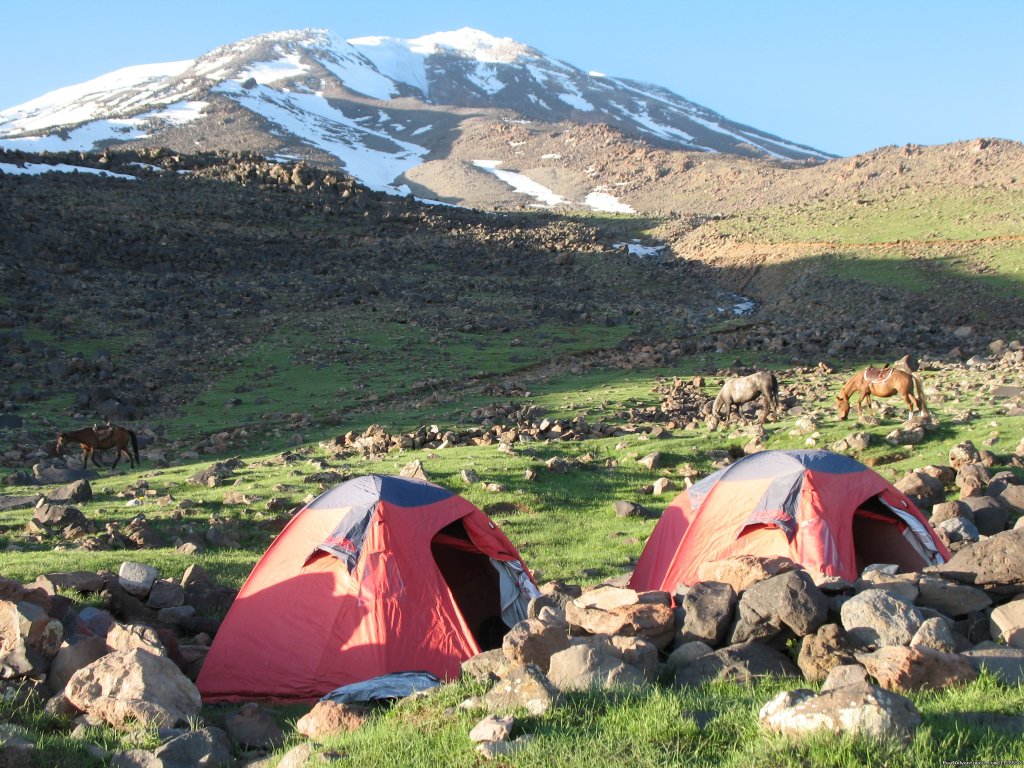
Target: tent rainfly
[(825, 511), (378, 575)]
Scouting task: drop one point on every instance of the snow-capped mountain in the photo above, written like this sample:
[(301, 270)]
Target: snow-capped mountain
[(378, 107)]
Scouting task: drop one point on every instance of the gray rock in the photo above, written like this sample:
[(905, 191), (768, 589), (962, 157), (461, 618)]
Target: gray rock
[(592, 664), (74, 655), (53, 516), (997, 563), (137, 579), (950, 597), (937, 634), (990, 517), (252, 727), (709, 607), (739, 663), (878, 618), (959, 529), (843, 675), (788, 600), (208, 747), (73, 493), (165, 594), (523, 687), (859, 709), (1007, 664), (52, 475), (686, 653)]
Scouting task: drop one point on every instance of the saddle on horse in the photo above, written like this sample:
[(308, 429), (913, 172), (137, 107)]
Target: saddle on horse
[(104, 432), (877, 375)]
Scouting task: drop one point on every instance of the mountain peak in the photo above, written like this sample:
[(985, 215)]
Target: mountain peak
[(380, 108), (474, 44)]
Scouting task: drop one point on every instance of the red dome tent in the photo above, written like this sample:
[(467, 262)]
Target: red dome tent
[(380, 574), (825, 511)]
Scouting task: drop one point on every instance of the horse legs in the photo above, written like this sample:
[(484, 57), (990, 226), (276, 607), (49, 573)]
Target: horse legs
[(117, 457), (88, 452)]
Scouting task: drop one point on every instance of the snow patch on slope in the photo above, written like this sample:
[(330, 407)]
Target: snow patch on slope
[(311, 117), (522, 183)]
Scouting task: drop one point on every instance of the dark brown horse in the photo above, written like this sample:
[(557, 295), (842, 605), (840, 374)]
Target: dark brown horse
[(103, 438), (881, 382)]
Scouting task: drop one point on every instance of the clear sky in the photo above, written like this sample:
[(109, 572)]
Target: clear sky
[(844, 76)]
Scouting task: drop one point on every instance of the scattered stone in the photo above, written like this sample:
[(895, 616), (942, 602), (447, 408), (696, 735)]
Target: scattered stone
[(492, 728), (740, 663), (73, 493), (137, 579), (709, 607), (916, 668), (1008, 623), (858, 709), (252, 727), (329, 718), (134, 685), (935, 633), (879, 618), (524, 687), (744, 570), (823, 651)]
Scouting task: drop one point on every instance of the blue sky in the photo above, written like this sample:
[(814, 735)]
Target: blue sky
[(842, 76)]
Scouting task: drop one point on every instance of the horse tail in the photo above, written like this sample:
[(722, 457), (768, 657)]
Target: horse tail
[(774, 390), (717, 405), (920, 392), (135, 446)]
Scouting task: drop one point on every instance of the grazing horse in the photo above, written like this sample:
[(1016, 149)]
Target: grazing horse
[(881, 382), (746, 388), (91, 438)]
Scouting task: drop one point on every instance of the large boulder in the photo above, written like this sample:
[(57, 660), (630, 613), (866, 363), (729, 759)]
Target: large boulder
[(134, 685), (1008, 623), (826, 649), (740, 663), (878, 618), (996, 564), (918, 667), (950, 597), (73, 493), (74, 654), (1006, 664), (614, 611), (596, 662), (859, 710), (789, 600), (329, 718), (523, 687), (744, 570), (709, 607), (533, 641)]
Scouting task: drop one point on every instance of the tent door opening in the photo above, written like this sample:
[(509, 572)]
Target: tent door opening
[(881, 536), (474, 584)]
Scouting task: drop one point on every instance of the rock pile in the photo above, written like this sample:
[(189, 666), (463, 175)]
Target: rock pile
[(903, 631)]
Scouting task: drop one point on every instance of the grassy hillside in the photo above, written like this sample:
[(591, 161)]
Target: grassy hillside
[(257, 321)]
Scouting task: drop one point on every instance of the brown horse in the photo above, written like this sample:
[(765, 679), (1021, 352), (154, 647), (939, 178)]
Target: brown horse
[(91, 439), (881, 382)]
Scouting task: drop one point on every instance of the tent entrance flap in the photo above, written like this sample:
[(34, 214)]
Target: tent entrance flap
[(474, 584), (881, 536)]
